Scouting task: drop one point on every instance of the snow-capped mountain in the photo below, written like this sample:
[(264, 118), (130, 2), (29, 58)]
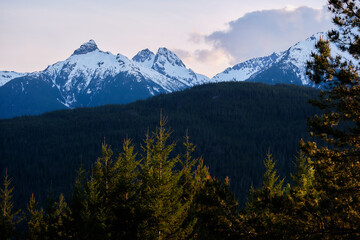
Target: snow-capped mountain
[(145, 57), (285, 67), (290, 66), (243, 71), (91, 77), (167, 63), (89, 70), (6, 76)]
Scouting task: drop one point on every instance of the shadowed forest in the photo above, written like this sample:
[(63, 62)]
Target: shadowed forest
[(157, 187)]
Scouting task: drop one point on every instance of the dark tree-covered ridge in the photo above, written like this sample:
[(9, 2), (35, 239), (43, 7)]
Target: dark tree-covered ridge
[(232, 124)]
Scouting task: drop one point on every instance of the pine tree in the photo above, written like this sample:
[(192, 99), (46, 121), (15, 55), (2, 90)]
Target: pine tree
[(57, 219), (160, 193), (189, 185), (216, 210), (264, 210), (78, 206), (336, 157), (304, 177), (105, 174), (35, 221), (124, 197), (89, 210), (7, 216), (300, 206)]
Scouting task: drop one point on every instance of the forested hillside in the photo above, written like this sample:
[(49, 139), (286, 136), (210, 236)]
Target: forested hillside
[(233, 126)]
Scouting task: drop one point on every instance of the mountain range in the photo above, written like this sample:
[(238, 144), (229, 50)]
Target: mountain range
[(91, 77)]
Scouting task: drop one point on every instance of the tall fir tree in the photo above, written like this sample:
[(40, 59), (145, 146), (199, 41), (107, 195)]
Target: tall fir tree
[(336, 158), (124, 197), (160, 193), (301, 203), (216, 210), (263, 215), (8, 215), (57, 219), (35, 221)]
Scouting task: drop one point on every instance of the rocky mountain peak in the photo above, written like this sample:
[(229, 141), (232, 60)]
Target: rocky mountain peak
[(165, 55), (85, 48), (143, 55)]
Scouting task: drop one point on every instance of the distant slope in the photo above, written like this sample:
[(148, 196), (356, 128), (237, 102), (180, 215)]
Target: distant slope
[(233, 125), (244, 70), (287, 67), (7, 76), (91, 77)]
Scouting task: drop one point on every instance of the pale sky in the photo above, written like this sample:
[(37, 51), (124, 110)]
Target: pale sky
[(208, 35)]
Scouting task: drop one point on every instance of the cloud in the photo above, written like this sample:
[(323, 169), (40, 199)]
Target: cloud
[(262, 32), (196, 37), (206, 61), (213, 57)]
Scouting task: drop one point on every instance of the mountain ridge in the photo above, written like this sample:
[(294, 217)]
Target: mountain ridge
[(91, 77)]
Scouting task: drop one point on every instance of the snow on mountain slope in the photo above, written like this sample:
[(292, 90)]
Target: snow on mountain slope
[(296, 57), (290, 66), (284, 67), (91, 77), (168, 64), (244, 70), (6, 76), (88, 69), (145, 57), (201, 79)]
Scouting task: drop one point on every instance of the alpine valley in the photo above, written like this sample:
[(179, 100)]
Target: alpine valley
[(91, 77)]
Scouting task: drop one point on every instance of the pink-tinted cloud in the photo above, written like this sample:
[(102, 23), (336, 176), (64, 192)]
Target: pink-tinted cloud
[(263, 32)]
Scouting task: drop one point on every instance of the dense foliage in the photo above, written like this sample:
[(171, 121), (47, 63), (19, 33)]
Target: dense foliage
[(337, 161), (324, 200), (159, 192), (151, 194), (233, 125)]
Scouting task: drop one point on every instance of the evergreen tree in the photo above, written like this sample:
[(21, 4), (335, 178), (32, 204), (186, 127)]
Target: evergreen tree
[(159, 196), (305, 175), (264, 209), (101, 187), (57, 219), (300, 204), (125, 198), (78, 206), (94, 214), (8, 215), (216, 210), (90, 211), (160, 193), (336, 159), (35, 221), (190, 183)]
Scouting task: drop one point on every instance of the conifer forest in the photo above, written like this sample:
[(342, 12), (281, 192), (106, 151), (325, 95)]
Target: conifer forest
[(152, 171)]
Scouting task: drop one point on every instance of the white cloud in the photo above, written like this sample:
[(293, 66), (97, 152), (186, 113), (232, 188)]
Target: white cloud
[(205, 61), (263, 32), (255, 34)]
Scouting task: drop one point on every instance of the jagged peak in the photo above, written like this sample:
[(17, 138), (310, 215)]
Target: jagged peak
[(85, 48), (170, 56), (274, 55), (143, 55)]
